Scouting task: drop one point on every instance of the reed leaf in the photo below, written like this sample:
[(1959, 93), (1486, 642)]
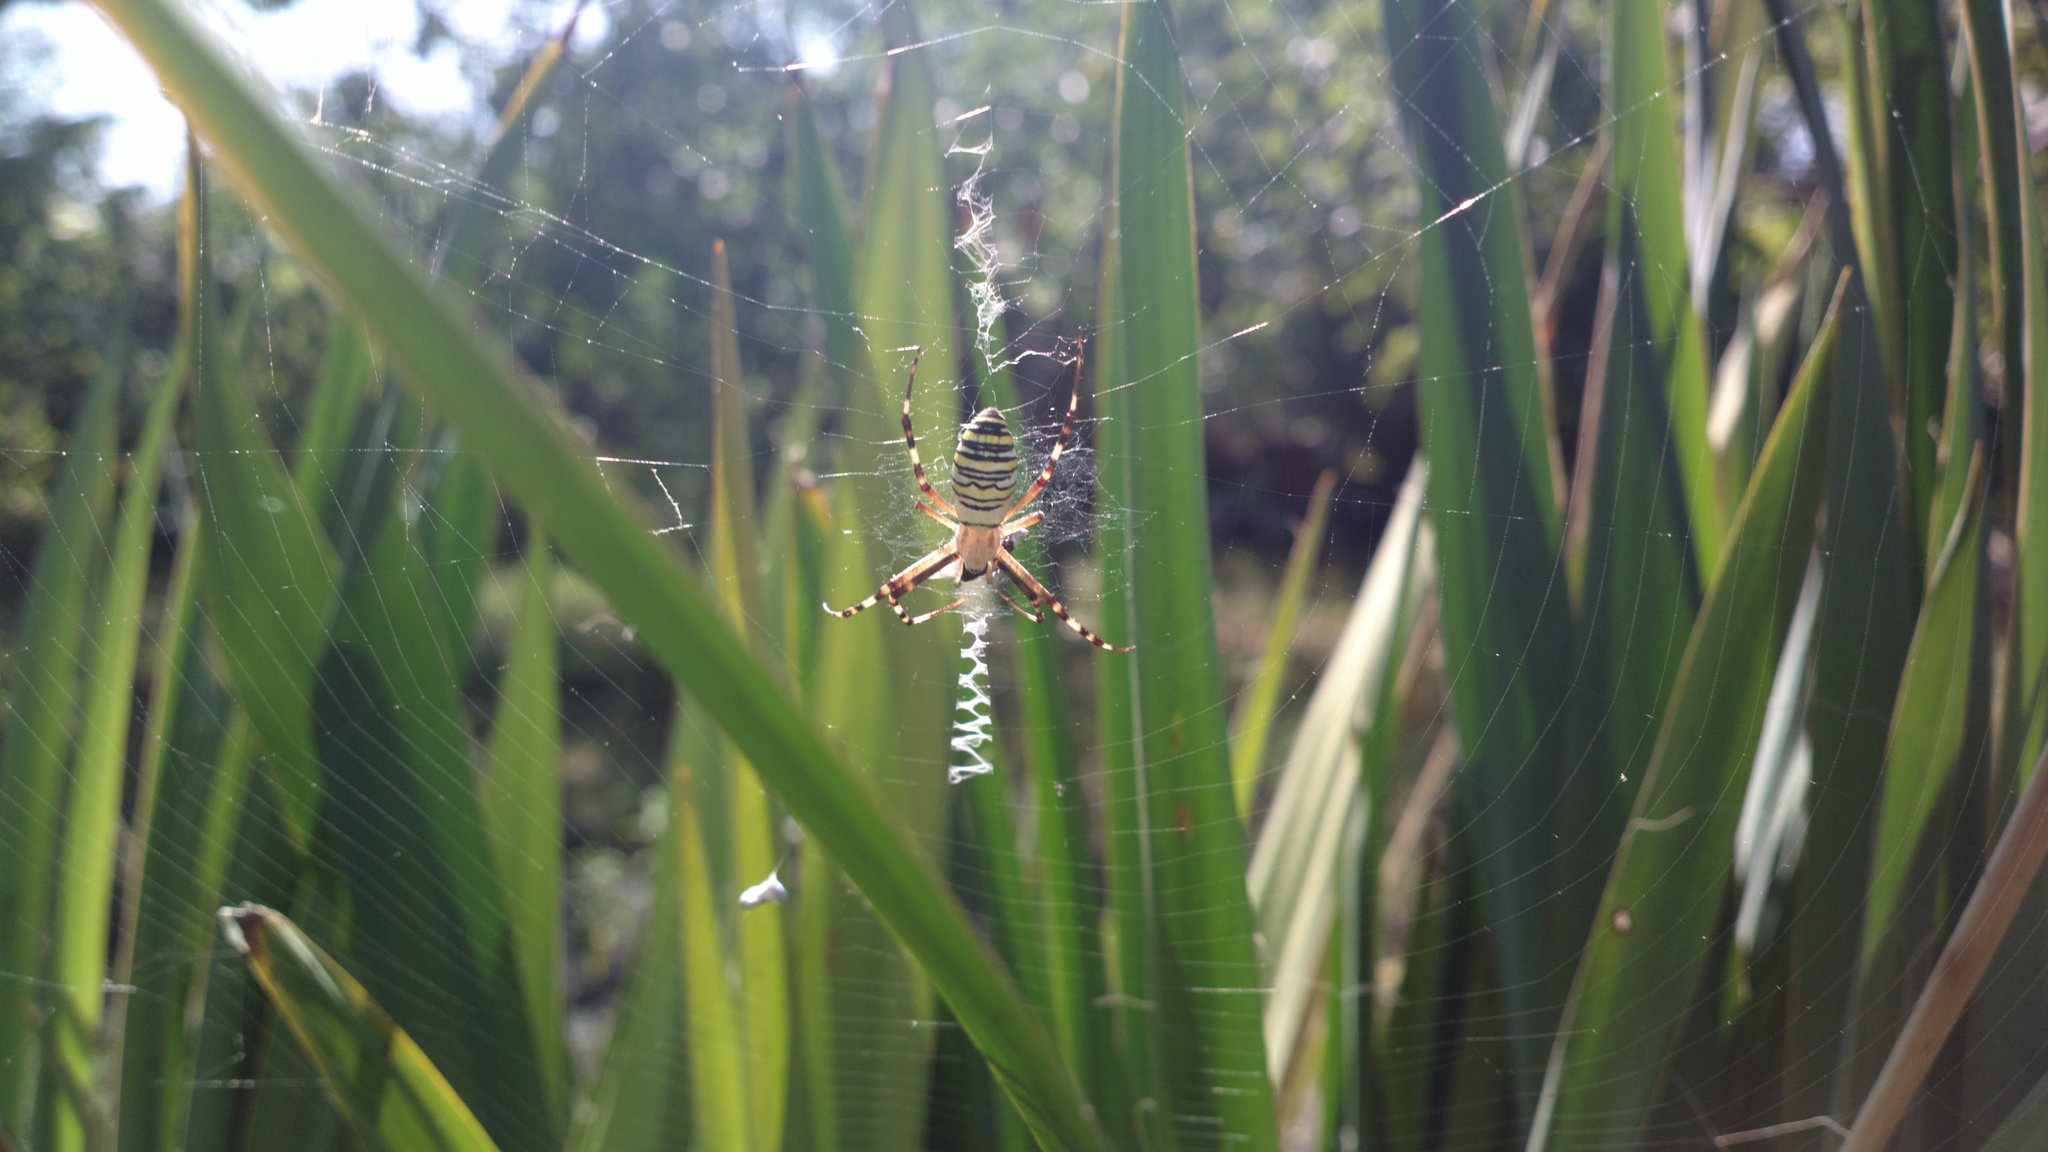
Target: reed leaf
[(1494, 508), (1635, 982)]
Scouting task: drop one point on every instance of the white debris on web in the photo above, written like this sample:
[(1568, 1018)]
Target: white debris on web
[(971, 710), (769, 891)]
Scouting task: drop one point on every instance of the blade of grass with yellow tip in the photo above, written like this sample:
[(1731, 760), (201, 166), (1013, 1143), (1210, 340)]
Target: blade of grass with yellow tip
[(392, 1095), (462, 226)]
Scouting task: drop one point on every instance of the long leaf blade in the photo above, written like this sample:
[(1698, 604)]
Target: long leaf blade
[(1205, 974), (1649, 941), (1494, 508), (43, 694)]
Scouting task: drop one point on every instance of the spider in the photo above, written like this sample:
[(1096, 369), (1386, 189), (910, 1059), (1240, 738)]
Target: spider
[(984, 531)]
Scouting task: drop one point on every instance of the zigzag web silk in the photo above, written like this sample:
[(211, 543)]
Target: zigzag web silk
[(971, 715)]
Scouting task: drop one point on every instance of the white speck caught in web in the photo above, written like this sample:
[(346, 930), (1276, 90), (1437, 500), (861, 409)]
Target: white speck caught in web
[(769, 891)]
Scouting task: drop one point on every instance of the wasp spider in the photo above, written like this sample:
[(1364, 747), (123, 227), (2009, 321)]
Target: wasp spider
[(985, 523)]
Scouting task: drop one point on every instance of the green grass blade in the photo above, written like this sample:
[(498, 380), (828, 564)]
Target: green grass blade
[(1293, 881), (1646, 214), (719, 1071), (391, 1093), (1640, 587), (748, 832), (469, 217), (1123, 1039), (1988, 40), (815, 1116), (1252, 724), (1635, 983), (337, 404), (2030, 522), (460, 536), (187, 725), (1904, 51), (1206, 999), (43, 695), (735, 522), (269, 581), (2019, 295), (1493, 508), (1929, 721), (522, 808), (91, 844), (869, 993)]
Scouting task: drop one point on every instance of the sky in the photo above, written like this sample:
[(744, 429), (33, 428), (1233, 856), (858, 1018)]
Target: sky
[(87, 69)]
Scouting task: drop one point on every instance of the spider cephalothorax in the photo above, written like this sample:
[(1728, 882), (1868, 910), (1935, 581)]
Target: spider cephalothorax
[(981, 517)]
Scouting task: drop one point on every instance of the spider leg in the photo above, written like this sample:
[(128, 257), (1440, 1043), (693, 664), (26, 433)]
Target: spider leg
[(904, 582), (1018, 527), (910, 438), (935, 514), (1010, 533), (1037, 592), (1021, 610), (907, 618), (1059, 446)]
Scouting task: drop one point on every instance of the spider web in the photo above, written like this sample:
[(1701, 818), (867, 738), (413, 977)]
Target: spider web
[(1309, 240)]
